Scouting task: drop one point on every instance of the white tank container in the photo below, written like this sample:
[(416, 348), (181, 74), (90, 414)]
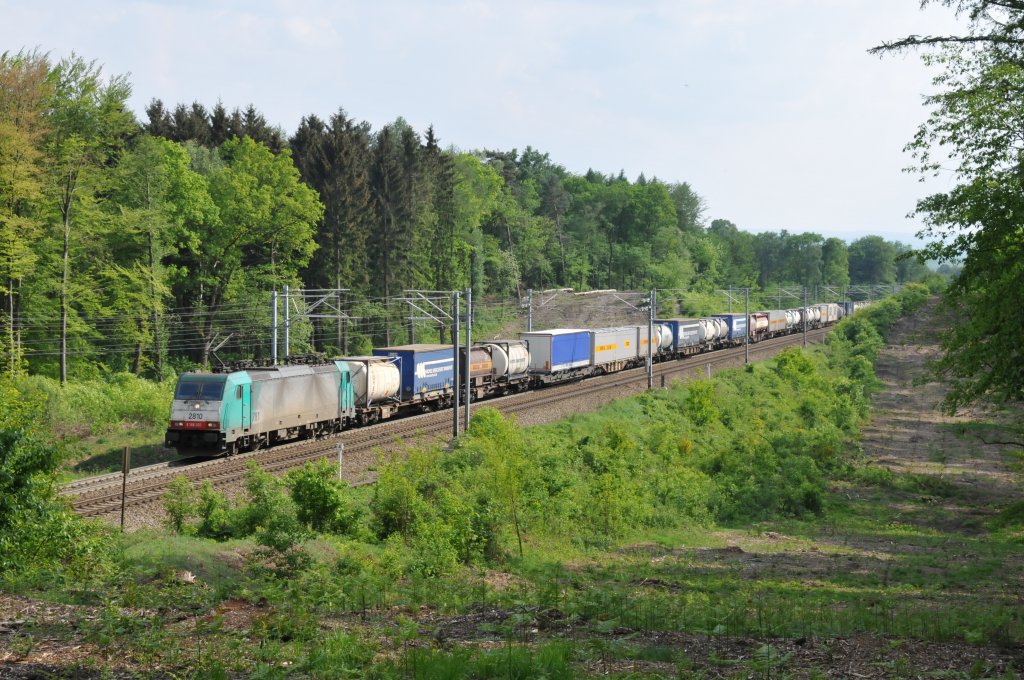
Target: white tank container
[(518, 358), (374, 379), (721, 329), (499, 358), (516, 361), (662, 337), (708, 330)]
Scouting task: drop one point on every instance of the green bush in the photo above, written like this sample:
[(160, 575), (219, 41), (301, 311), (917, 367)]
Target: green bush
[(397, 505), (180, 505), (794, 364), (322, 500), (433, 548), (37, 531), (700, 402), (269, 513), (215, 518)]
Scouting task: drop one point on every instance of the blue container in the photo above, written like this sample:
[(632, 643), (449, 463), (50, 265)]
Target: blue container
[(561, 349), (737, 325), (685, 332), (427, 370)]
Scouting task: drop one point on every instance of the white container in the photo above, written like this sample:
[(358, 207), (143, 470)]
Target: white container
[(662, 337), (718, 329), (620, 343), (778, 320)]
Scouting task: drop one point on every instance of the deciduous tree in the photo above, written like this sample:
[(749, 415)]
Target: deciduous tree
[(25, 87), (262, 236), (88, 123), (975, 121)]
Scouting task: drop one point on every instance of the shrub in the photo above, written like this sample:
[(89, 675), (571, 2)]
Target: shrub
[(269, 513), (794, 364), (88, 407), (433, 548), (215, 520), (700, 402), (179, 504), (396, 505), (321, 500), (37, 532), (684, 492)]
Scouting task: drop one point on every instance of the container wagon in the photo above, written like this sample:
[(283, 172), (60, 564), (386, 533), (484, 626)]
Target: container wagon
[(736, 328), (614, 349), (687, 335), (779, 322), (376, 387), (559, 354), (427, 373), (496, 367)]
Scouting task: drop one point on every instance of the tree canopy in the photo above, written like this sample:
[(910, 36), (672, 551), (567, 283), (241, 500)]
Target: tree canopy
[(152, 246), (975, 125)]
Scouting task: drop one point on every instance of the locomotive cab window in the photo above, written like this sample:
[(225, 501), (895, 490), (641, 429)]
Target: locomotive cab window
[(188, 390), (196, 389), (238, 392)]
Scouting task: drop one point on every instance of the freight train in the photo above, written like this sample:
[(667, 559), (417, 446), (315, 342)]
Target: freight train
[(258, 407)]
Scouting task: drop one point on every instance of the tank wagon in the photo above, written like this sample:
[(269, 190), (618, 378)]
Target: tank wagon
[(376, 387), (257, 407), (496, 367)]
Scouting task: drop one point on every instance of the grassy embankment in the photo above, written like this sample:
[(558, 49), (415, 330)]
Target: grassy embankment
[(709, 529)]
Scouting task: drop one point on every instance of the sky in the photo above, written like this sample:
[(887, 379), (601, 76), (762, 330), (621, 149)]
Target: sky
[(771, 110)]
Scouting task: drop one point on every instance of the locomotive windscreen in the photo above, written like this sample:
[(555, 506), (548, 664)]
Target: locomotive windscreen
[(210, 390)]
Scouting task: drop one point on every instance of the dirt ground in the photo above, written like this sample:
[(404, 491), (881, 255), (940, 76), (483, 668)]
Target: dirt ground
[(909, 433)]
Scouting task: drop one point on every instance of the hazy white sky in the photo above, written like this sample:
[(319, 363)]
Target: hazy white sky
[(771, 109)]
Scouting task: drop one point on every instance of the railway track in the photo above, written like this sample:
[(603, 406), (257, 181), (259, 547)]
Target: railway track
[(101, 496)]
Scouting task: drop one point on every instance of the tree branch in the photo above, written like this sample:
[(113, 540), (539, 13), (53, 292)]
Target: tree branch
[(912, 41)]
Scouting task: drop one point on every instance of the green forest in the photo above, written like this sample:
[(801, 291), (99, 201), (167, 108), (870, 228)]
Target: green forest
[(145, 245)]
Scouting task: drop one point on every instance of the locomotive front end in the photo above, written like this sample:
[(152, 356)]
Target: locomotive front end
[(195, 424)]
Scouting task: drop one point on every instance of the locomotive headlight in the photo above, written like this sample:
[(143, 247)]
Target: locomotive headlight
[(197, 406)]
